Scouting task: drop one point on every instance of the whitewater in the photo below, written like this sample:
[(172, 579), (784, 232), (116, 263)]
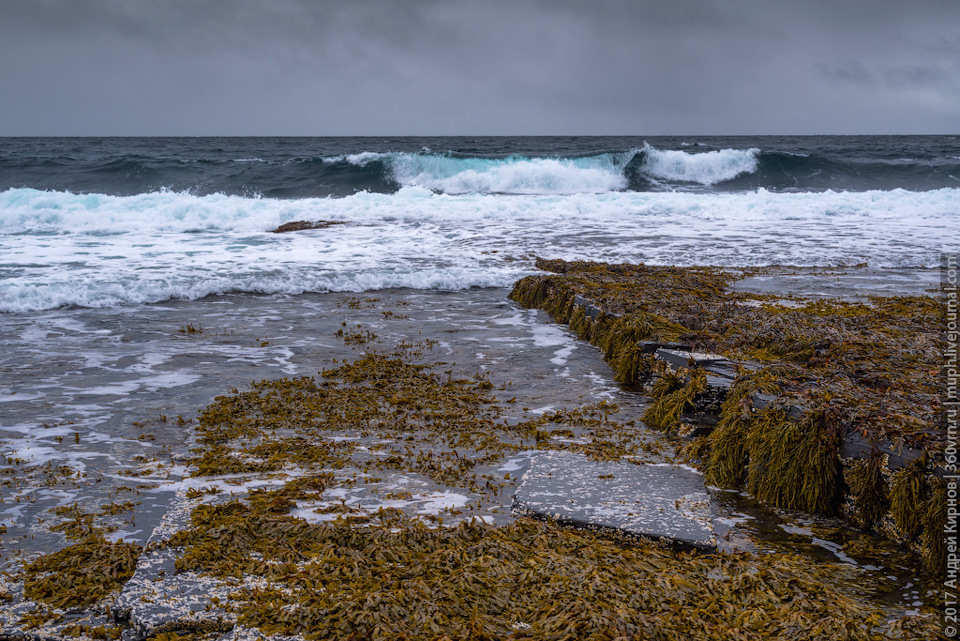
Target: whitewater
[(441, 220), (93, 250)]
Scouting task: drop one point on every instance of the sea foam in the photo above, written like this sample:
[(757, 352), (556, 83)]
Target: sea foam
[(513, 175), (705, 168), (59, 249)]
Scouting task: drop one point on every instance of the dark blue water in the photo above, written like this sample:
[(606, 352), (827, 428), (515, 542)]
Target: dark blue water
[(319, 167)]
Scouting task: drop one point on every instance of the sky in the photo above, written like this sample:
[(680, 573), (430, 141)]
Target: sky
[(478, 67)]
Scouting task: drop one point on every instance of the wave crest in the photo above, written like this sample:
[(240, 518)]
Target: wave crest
[(706, 168), (512, 175)]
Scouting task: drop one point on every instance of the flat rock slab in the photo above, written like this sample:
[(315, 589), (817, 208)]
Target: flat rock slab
[(657, 501), (157, 597), (721, 371)]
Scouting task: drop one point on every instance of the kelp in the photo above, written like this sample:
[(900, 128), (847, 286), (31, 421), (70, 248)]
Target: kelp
[(674, 393), (390, 575), (869, 488), (81, 574), (794, 463), (842, 366), (909, 491), (394, 577), (857, 352), (439, 427), (728, 453), (934, 518)]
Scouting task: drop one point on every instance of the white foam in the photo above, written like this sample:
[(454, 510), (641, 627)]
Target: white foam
[(437, 502), (177, 378), (705, 168), (362, 159), (59, 249), (514, 175)]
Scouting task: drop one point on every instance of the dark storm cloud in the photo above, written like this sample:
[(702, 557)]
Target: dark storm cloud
[(317, 67)]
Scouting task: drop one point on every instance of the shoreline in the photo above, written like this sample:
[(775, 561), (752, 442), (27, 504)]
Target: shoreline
[(556, 348)]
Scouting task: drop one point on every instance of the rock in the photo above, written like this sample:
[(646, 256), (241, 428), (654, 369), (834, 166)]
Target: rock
[(855, 445), (301, 225), (649, 347), (656, 501), (157, 597), (591, 310), (763, 401), (721, 371)]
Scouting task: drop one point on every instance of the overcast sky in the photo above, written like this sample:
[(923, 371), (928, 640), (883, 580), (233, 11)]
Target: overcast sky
[(478, 67)]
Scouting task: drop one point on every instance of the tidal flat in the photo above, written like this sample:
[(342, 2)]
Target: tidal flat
[(344, 466)]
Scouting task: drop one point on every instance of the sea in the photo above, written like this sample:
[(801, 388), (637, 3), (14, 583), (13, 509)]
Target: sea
[(141, 277), (97, 223)]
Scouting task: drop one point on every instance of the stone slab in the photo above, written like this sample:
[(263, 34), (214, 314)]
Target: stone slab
[(855, 445), (591, 310), (656, 501), (650, 347), (157, 597)]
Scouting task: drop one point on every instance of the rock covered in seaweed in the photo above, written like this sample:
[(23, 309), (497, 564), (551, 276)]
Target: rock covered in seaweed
[(829, 376)]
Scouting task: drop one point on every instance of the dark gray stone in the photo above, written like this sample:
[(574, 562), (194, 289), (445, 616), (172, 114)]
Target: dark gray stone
[(721, 372), (656, 501), (855, 445), (157, 596), (720, 369), (763, 401), (591, 310), (649, 347)]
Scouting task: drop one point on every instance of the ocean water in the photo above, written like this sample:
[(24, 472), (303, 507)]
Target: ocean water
[(110, 247), (97, 223)]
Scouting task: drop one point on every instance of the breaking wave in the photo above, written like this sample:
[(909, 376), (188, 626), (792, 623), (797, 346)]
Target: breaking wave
[(93, 250), (646, 168)]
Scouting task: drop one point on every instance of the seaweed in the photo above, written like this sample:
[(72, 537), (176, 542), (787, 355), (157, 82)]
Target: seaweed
[(673, 393), (909, 491), (841, 367), (81, 574), (934, 518), (870, 490), (729, 456), (391, 575), (397, 578), (794, 463)]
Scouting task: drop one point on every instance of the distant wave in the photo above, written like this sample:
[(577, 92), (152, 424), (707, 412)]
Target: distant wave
[(635, 169), (704, 168), (693, 167), (512, 175)]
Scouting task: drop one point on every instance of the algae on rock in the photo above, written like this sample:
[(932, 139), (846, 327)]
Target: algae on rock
[(849, 369)]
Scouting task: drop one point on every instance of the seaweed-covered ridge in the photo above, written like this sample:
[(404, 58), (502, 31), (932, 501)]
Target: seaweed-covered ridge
[(836, 390)]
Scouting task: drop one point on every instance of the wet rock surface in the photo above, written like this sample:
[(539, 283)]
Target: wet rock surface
[(662, 502), (303, 225), (433, 487)]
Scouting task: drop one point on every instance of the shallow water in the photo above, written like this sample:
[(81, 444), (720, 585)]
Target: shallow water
[(91, 395), (96, 405)]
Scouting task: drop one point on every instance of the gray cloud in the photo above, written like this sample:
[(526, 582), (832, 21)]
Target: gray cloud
[(917, 77), (314, 67), (852, 72)]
